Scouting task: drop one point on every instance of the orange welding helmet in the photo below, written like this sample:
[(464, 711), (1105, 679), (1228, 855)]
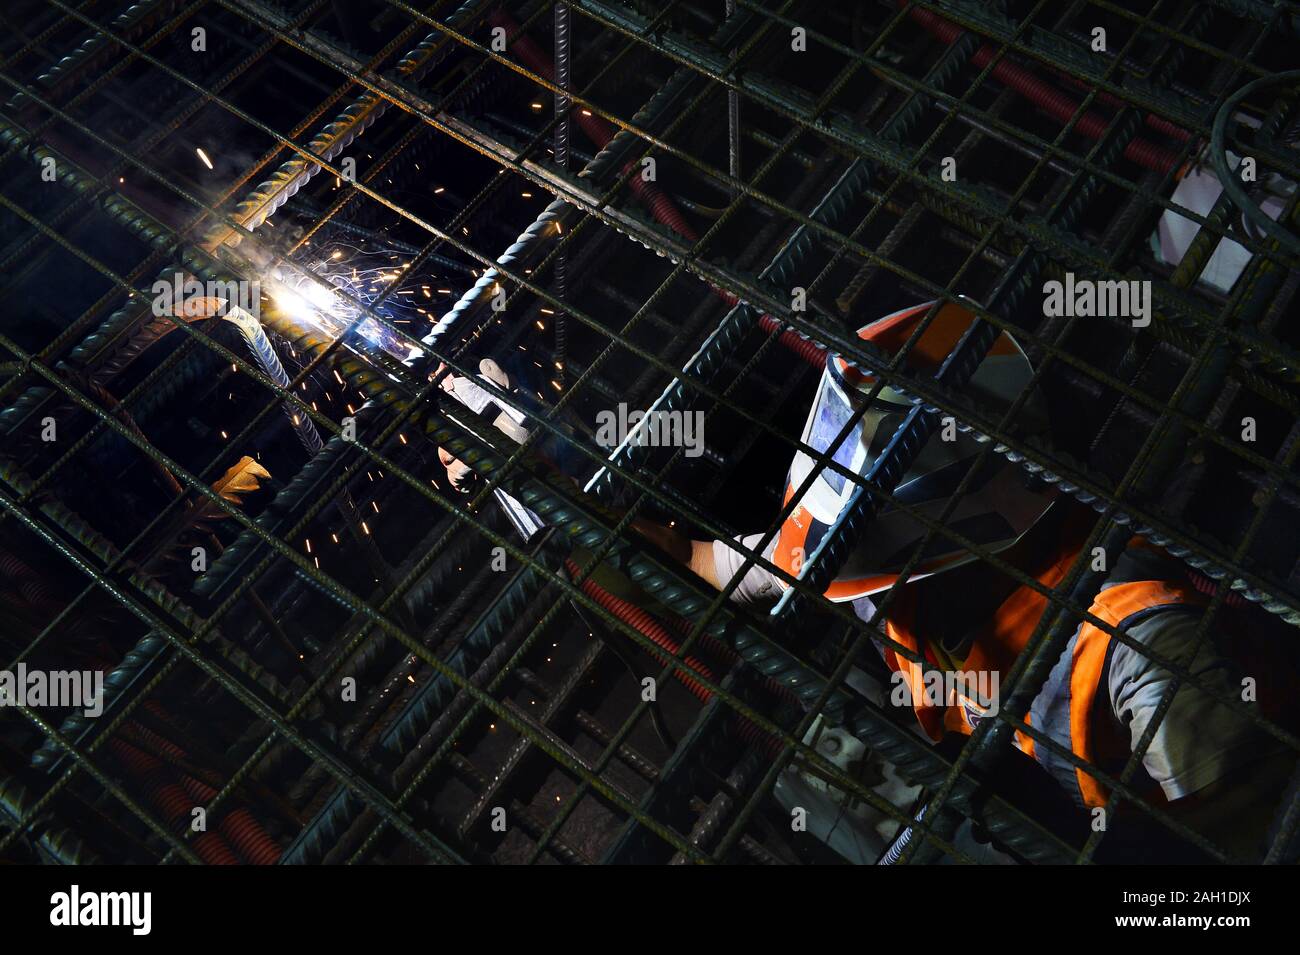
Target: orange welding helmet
[(996, 508)]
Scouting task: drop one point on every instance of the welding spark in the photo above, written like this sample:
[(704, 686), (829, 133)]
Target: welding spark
[(330, 296), (204, 156)]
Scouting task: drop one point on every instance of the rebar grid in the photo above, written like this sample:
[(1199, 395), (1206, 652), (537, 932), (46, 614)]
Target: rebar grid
[(1238, 352)]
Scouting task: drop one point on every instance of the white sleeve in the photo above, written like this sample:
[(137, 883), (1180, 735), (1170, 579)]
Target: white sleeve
[(758, 584), (1199, 740), (475, 397)]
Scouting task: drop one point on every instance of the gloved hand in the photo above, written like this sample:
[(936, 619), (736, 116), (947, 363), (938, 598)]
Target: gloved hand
[(459, 474)]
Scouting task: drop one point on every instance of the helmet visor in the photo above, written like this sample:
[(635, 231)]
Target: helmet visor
[(829, 418)]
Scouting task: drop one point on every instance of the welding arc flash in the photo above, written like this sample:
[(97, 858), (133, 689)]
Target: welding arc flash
[(204, 156)]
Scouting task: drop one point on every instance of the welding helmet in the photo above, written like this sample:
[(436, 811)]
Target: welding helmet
[(997, 507)]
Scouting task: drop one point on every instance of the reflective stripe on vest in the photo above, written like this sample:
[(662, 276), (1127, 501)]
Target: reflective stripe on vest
[(995, 648), (1063, 710)]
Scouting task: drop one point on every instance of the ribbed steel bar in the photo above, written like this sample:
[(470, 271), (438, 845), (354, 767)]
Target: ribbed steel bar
[(552, 710), (29, 359), (135, 19), (1071, 61), (1012, 282), (1071, 203), (680, 777), (887, 470), (1011, 224), (372, 796), (832, 204), (563, 104), (733, 284), (130, 315), (21, 251), (551, 830), (50, 836), (733, 117), (388, 815), (797, 242), (945, 823), (793, 103), (1159, 455), (779, 273), (424, 706), (538, 291), (1212, 437), (335, 137)]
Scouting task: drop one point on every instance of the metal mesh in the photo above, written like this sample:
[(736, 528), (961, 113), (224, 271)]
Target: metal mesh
[(311, 636)]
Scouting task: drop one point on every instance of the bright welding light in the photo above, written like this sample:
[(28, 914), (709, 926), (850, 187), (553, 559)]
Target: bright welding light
[(204, 156), (294, 305), (329, 306), (319, 296), (310, 305)]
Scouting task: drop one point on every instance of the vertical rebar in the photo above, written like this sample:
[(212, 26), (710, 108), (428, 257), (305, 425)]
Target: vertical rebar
[(562, 107), (733, 119)]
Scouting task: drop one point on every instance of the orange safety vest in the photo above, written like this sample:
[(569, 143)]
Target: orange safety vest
[(1064, 709)]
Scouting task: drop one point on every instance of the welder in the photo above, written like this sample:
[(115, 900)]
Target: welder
[(962, 616), (516, 417), (512, 415), (506, 416)]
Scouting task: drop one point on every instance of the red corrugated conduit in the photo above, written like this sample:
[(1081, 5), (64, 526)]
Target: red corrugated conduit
[(1158, 123), (634, 616), (238, 825), (177, 793), (1208, 586), (171, 800), (1043, 95)]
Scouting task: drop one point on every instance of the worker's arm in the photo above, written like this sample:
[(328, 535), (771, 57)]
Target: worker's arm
[(458, 472), (1219, 769), (697, 555), (476, 398), (717, 562), (1235, 812)]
